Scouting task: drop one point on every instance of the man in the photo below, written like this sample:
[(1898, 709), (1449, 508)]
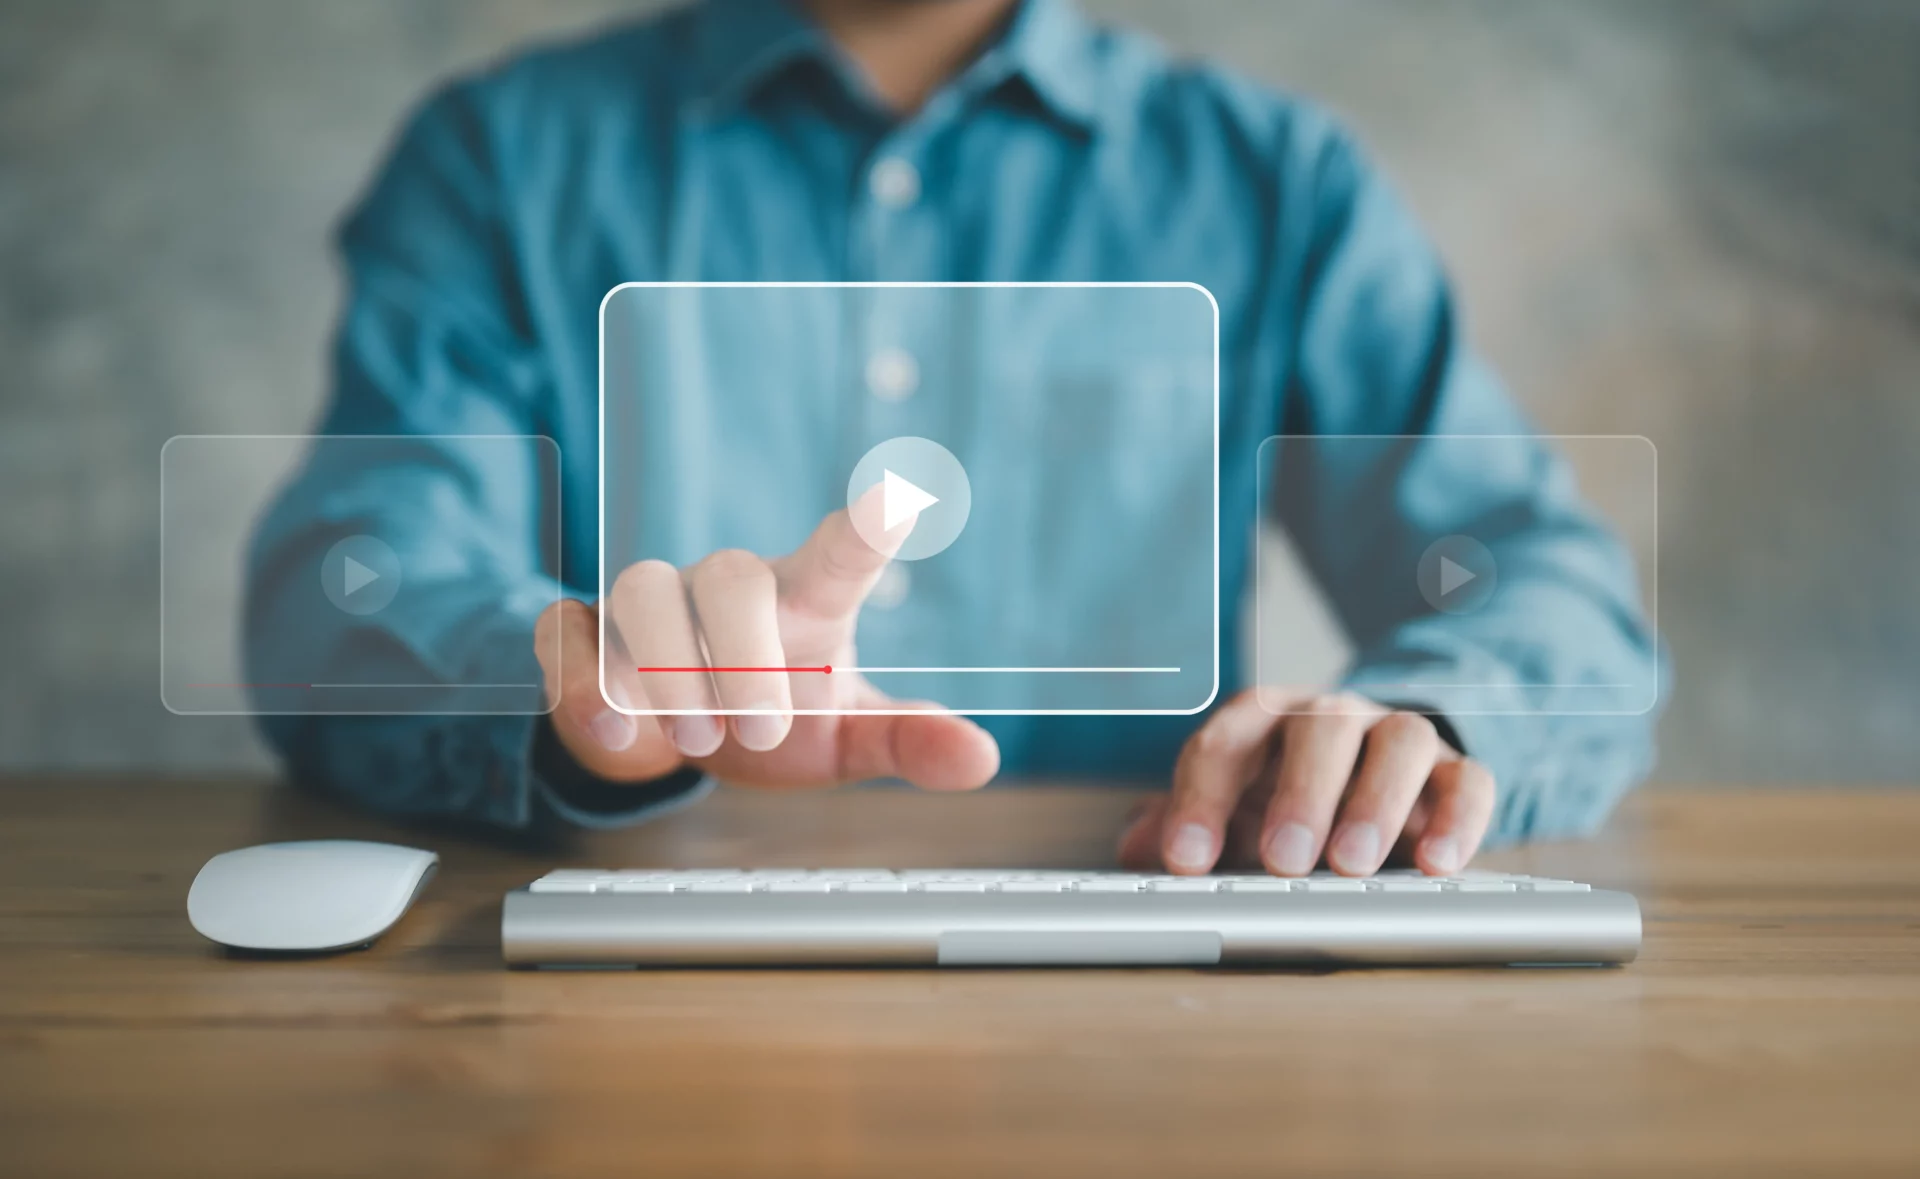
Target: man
[(823, 142)]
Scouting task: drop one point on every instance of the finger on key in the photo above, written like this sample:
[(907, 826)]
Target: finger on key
[(735, 606), (1461, 793), (649, 611), (1215, 766), (1399, 754), (1318, 746)]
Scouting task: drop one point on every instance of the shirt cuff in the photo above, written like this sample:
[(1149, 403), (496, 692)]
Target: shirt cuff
[(573, 795), (1482, 736)]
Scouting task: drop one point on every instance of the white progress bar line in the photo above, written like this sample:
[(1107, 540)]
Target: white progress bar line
[(1021, 670), (416, 686)]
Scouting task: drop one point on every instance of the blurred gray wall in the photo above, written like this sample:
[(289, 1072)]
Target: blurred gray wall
[(1698, 221)]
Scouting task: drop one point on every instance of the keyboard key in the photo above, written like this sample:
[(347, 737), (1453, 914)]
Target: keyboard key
[(1038, 881), (956, 874), (1335, 884)]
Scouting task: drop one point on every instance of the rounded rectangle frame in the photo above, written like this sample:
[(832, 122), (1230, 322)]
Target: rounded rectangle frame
[(1622, 468), (1213, 348), (247, 482)]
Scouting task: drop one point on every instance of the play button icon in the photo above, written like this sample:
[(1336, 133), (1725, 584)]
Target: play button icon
[(357, 577), (900, 501), (360, 574), (1457, 575), (920, 481), (1453, 576)]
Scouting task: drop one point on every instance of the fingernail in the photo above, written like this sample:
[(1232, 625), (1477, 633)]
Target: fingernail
[(697, 736), (1356, 849), (1290, 850), (614, 731), (761, 733), (1192, 848), (1442, 854)]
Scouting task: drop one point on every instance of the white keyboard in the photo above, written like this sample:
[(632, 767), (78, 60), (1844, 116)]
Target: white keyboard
[(882, 880), (1007, 917)]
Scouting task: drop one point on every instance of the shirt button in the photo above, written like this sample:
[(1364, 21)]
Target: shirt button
[(891, 589), (892, 375), (894, 182)]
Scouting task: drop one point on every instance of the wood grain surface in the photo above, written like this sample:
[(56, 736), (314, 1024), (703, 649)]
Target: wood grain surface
[(1772, 1025)]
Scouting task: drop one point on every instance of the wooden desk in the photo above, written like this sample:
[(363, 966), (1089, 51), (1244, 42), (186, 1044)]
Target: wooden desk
[(1772, 1025)]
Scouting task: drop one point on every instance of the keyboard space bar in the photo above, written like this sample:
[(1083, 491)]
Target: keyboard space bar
[(1023, 947)]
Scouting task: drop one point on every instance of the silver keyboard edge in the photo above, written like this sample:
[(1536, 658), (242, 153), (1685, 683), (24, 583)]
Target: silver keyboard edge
[(1375, 929)]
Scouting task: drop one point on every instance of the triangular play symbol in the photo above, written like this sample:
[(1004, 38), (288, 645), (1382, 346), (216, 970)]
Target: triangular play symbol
[(355, 576), (901, 501), (1453, 575)]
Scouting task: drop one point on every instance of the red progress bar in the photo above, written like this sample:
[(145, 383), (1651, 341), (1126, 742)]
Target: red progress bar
[(824, 669)]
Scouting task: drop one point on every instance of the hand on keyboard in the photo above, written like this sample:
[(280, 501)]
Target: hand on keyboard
[(735, 610), (1338, 776)]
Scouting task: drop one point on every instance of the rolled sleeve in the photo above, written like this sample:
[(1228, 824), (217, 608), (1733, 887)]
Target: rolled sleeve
[(433, 351), (1443, 451)]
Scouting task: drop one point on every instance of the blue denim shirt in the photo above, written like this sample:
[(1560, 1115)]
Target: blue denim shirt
[(730, 141)]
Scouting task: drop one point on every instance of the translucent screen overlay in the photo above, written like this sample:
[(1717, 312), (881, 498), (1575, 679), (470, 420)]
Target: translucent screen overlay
[(356, 574), (1067, 561), (1475, 575)]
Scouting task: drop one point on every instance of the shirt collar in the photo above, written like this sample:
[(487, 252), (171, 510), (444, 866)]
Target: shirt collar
[(742, 44), (1049, 47)]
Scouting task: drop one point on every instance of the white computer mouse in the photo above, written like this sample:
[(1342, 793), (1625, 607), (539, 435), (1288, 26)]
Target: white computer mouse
[(321, 894)]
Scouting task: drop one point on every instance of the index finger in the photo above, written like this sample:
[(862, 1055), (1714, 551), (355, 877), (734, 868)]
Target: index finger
[(1213, 771), (1462, 792), (833, 572)]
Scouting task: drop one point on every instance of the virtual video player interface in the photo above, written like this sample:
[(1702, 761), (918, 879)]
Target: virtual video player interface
[(993, 499), (1051, 453)]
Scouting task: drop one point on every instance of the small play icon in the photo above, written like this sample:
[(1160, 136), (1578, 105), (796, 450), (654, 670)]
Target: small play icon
[(901, 501), (360, 574), (921, 483), (1457, 575)]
